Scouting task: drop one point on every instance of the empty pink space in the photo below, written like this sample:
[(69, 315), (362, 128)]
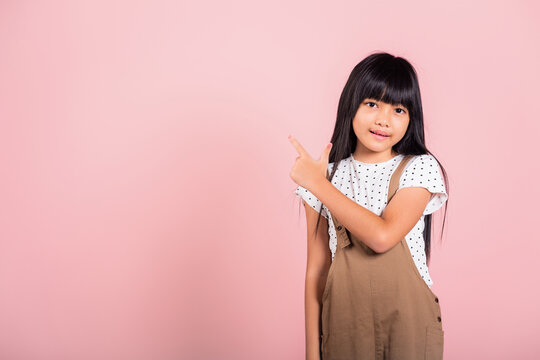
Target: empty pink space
[(146, 210)]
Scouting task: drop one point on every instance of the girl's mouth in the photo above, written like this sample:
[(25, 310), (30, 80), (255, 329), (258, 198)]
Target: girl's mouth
[(378, 137)]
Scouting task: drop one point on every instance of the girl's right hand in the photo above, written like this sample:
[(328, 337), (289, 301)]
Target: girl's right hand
[(306, 170)]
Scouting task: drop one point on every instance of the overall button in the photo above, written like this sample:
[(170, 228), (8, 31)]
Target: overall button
[(436, 300), (339, 227), (438, 318)]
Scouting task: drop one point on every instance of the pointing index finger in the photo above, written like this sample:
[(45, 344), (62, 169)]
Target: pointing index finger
[(299, 148)]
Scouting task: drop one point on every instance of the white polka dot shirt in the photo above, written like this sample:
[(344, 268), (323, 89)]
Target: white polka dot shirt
[(367, 184)]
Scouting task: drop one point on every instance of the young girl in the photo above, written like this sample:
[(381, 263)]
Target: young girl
[(368, 290)]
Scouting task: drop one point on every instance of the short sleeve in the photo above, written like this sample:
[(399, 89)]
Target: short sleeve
[(311, 200), (423, 171)]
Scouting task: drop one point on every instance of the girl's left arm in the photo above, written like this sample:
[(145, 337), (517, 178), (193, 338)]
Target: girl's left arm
[(380, 233)]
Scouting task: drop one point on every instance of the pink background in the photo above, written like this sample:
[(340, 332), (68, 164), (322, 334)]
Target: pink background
[(146, 210)]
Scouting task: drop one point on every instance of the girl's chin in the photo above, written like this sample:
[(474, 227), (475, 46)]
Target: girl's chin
[(378, 146)]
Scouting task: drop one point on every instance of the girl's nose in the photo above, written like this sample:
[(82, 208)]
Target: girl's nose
[(383, 119), (384, 116)]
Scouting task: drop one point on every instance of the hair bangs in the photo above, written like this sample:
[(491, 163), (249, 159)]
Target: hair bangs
[(393, 87)]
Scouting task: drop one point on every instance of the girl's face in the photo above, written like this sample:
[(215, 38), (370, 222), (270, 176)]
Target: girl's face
[(373, 116)]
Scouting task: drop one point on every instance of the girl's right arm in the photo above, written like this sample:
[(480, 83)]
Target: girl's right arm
[(319, 259)]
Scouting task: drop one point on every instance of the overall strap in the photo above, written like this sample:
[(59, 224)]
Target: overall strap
[(396, 175), (343, 236)]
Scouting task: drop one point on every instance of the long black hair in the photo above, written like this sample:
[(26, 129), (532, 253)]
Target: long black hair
[(392, 80)]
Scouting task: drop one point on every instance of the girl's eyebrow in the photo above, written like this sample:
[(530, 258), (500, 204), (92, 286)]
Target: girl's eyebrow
[(373, 100)]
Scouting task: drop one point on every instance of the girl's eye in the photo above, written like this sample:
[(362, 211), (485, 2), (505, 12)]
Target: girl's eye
[(371, 102)]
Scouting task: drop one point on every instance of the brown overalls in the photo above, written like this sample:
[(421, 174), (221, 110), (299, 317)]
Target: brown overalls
[(376, 305)]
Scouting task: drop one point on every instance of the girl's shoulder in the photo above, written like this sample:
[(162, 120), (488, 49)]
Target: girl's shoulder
[(423, 160), (424, 171)]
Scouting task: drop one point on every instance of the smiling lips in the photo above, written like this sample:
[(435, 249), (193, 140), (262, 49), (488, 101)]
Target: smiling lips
[(379, 135)]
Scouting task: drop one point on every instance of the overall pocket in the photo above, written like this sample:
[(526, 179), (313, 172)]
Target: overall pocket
[(434, 343)]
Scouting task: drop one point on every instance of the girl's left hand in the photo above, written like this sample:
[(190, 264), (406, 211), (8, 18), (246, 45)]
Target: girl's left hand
[(307, 171)]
